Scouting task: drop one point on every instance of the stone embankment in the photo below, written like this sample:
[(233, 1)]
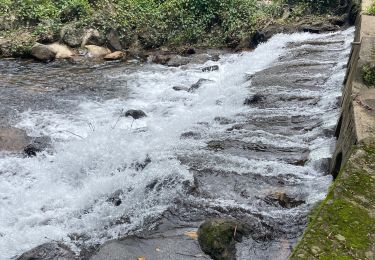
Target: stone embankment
[(343, 225)]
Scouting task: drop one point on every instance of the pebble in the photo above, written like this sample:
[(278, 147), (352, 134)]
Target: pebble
[(340, 237)]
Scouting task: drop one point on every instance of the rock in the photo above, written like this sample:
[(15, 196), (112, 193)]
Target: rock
[(37, 145), (97, 51), (115, 198), (42, 52), (180, 88), (198, 84), (61, 51), (71, 35), (140, 166), (117, 55), (166, 245), (12, 139), (8, 22), (92, 37), (256, 99), (218, 237), (177, 60), (135, 114), (191, 135), (113, 40), (315, 250), (340, 238), (31, 150), (210, 68), (283, 200), (161, 59), (49, 251)]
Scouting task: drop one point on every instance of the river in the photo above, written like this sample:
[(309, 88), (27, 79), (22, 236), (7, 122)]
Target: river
[(198, 154)]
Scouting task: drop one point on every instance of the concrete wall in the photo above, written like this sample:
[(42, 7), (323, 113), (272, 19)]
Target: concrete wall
[(343, 225), (357, 119)]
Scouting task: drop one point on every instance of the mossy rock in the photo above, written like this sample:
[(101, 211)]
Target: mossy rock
[(218, 237)]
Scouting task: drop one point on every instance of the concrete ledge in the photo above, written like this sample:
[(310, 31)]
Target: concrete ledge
[(343, 225)]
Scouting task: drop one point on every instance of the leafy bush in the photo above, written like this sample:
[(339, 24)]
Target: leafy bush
[(369, 74), (321, 6), (371, 9)]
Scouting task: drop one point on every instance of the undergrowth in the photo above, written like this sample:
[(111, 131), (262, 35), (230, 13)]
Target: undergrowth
[(159, 22)]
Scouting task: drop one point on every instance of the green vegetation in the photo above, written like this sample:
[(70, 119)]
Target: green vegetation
[(341, 227), (158, 22), (369, 74), (371, 9)]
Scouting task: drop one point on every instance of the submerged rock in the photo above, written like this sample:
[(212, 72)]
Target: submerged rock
[(198, 84), (135, 114), (218, 237), (284, 200), (180, 88), (49, 251), (256, 99), (115, 198)]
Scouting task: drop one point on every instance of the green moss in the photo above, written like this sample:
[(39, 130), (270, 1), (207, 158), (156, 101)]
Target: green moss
[(342, 226)]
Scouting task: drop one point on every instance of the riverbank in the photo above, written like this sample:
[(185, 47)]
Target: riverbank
[(343, 225), (126, 30)]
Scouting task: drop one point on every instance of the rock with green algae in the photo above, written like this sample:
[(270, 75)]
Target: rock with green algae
[(217, 238), (343, 226)]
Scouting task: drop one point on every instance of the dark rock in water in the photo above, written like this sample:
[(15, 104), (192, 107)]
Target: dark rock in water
[(283, 200), (180, 88), (31, 150), (191, 135), (198, 84), (115, 198), (136, 114), (256, 99), (224, 120), (174, 244), (49, 251), (140, 166), (218, 237), (322, 165), (210, 68)]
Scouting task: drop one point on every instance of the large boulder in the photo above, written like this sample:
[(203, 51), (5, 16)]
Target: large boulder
[(117, 55), (72, 35), (113, 40), (92, 37), (218, 237), (42, 52), (49, 251), (97, 51), (61, 51)]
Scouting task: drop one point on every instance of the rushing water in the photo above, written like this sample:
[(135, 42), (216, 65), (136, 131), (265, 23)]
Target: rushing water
[(231, 157)]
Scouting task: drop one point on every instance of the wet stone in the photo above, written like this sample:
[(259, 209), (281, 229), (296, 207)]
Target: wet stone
[(210, 68), (115, 198), (49, 251), (135, 114)]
